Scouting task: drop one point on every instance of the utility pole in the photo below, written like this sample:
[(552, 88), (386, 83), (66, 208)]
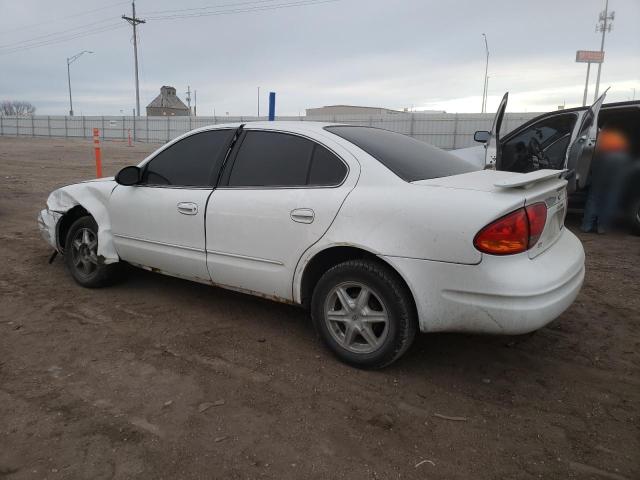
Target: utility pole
[(70, 60), (486, 71), (604, 26), (133, 21), (586, 85), (195, 103), (189, 98)]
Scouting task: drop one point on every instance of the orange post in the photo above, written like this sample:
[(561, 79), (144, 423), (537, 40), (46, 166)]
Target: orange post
[(98, 152)]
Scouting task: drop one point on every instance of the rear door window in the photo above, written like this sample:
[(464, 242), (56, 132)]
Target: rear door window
[(326, 169), (275, 159), (408, 158), (271, 159)]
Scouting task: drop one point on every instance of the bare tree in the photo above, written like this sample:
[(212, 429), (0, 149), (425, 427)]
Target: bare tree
[(16, 108)]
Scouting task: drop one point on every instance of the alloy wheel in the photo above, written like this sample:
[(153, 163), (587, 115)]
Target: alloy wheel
[(84, 251), (356, 317)]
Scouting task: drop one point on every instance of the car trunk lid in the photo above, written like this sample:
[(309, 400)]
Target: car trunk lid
[(542, 186)]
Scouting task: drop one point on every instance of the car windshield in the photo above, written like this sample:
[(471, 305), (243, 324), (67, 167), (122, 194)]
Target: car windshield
[(408, 158)]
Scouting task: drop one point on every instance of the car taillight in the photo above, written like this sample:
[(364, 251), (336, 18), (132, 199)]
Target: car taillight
[(537, 215), (514, 233)]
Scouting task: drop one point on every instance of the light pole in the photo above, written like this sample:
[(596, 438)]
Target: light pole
[(604, 25), (486, 71), (70, 60)]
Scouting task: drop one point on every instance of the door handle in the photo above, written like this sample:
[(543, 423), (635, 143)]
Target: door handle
[(303, 215), (187, 208)]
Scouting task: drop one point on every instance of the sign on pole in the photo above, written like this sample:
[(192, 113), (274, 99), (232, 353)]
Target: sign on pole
[(589, 56)]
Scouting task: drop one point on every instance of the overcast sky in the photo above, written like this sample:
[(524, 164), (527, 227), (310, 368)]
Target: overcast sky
[(391, 53)]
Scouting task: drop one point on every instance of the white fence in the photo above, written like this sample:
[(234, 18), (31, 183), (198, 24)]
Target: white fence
[(447, 131)]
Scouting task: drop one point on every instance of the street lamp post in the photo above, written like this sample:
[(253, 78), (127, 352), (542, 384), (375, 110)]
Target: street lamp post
[(486, 71), (70, 60)]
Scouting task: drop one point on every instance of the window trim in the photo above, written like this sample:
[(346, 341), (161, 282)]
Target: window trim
[(516, 131), (212, 178), (228, 168)]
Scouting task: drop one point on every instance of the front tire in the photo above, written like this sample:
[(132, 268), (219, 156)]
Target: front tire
[(364, 313), (81, 255)]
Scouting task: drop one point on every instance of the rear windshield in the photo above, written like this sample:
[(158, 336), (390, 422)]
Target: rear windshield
[(408, 158)]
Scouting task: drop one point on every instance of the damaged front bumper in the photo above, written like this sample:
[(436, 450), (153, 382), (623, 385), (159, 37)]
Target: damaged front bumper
[(48, 224)]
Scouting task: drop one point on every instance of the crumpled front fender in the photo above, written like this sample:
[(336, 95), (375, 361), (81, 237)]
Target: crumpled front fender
[(93, 196)]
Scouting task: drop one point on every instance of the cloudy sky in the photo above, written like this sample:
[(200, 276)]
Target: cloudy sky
[(421, 54)]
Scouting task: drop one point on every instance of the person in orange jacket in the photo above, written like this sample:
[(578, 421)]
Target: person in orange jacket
[(607, 175)]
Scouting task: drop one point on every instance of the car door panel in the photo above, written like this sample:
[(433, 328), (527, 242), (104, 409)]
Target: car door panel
[(160, 223), (254, 239), (256, 235), (150, 229), (492, 155), (583, 147)]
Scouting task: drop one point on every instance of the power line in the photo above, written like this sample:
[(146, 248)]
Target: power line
[(208, 8), (49, 21), (60, 32), (61, 39), (244, 10)]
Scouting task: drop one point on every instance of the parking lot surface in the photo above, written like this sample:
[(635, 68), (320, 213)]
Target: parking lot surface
[(162, 378)]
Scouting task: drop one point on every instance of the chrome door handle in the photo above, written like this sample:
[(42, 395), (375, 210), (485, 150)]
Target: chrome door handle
[(187, 208), (303, 215)]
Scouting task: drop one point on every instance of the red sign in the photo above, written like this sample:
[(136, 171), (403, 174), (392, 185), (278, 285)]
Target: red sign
[(589, 56)]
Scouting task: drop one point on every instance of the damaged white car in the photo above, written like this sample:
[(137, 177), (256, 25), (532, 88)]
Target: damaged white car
[(377, 234)]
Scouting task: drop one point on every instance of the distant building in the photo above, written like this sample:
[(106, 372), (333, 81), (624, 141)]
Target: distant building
[(167, 104), (356, 110), (348, 110)]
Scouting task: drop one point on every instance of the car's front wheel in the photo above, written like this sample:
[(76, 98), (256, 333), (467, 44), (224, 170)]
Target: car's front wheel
[(81, 255), (364, 313)]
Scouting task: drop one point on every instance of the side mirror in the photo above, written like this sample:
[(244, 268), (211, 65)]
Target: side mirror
[(129, 176), (482, 136)]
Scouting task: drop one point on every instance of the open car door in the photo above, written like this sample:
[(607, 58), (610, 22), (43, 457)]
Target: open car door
[(583, 147), (492, 154)]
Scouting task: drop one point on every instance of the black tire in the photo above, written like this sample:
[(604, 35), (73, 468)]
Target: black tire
[(394, 302), (634, 216), (82, 261)]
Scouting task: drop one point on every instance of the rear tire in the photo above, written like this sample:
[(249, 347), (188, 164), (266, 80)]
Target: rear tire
[(81, 258), (364, 313)]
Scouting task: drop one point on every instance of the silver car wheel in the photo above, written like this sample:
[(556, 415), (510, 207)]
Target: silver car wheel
[(84, 251), (356, 317)]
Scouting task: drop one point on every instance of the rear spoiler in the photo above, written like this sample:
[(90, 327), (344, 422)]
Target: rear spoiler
[(526, 180)]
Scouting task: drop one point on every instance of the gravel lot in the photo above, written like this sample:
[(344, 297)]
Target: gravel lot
[(161, 378)]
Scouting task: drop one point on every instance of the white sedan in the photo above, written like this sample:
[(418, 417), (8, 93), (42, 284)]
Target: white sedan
[(377, 234)]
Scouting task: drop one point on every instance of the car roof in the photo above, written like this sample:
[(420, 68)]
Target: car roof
[(290, 126)]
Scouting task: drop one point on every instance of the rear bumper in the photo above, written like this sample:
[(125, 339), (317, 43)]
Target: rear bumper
[(47, 223), (500, 295)]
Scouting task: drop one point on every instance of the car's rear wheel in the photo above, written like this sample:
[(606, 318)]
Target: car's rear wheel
[(364, 313), (81, 255)]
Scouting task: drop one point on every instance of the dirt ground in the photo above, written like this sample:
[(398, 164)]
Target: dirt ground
[(162, 378)]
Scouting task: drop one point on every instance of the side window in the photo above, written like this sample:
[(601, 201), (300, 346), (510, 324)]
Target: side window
[(326, 169), (270, 159), (556, 152), (518, 152), (191, 162)]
